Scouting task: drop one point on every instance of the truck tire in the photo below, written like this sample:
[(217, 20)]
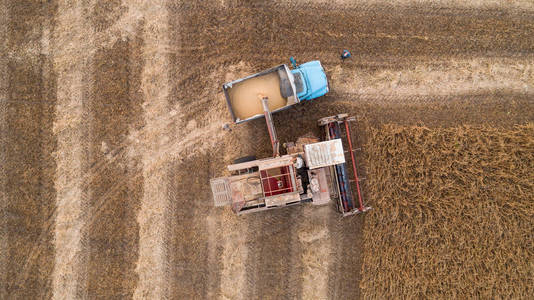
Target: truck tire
[(245, 159)]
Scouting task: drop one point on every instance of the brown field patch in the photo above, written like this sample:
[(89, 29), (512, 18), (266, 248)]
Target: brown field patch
[(453, 213), (111, 118)]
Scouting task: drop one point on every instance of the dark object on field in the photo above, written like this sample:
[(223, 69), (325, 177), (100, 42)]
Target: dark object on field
[(245, 159), (345, 54)]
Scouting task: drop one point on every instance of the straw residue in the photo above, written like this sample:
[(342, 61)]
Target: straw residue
[(69, 273), (153, 218), (453, 213), (3, 131)]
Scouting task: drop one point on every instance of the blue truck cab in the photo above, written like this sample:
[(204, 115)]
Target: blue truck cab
[(310, 79)]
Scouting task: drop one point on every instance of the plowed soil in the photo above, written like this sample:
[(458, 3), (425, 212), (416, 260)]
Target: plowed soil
[(111, 119)]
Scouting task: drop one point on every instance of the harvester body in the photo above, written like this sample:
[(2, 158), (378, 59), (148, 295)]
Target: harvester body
[(279, 181), (312, 171)]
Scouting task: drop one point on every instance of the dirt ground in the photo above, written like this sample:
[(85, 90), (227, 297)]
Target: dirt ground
[(111, 119)]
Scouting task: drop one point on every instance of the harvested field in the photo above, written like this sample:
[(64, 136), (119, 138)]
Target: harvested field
[(453, 213), (111, 118)]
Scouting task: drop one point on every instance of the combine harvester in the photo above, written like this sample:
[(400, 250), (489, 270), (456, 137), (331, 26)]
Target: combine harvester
[(311, 171)]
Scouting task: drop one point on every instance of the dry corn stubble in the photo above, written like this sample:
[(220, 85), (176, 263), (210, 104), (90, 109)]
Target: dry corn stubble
[(453, 213)]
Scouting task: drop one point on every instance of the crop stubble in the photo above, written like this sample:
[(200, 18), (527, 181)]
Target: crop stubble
[(253, 36)]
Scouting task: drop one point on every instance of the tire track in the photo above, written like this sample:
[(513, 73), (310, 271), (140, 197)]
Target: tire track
[(273, 262), (192, 273), (196, 231), (112, 234), (4, 83), (29, 166), (233, 237)]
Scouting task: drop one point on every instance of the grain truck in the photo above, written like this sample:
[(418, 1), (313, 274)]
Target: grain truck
[(283, 86)]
